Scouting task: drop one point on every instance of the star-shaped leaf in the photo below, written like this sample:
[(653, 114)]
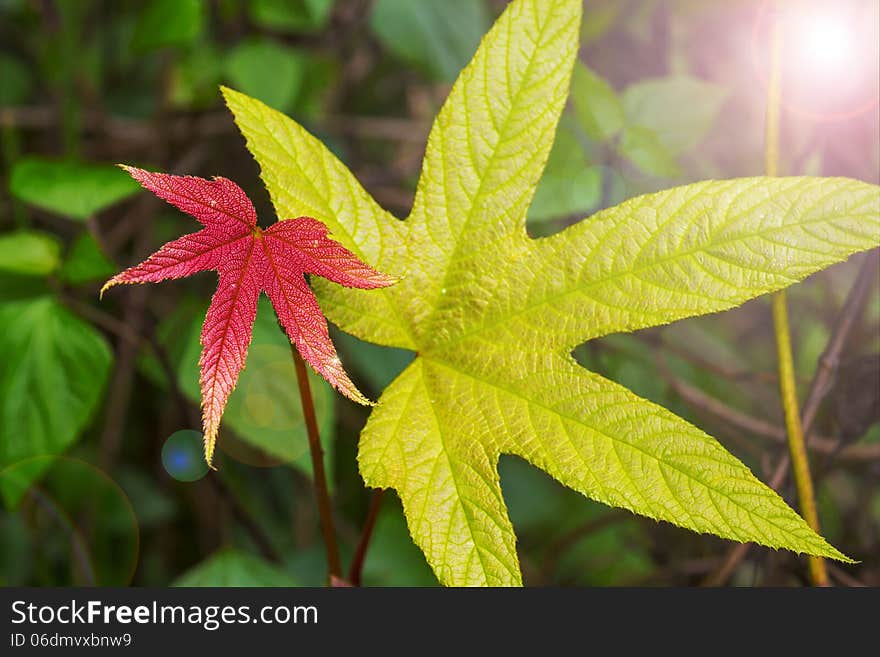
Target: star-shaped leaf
[(493, 314), (249, 260)]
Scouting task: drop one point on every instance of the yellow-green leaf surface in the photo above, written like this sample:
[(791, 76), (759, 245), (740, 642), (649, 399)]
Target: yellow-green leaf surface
[(493, 313)]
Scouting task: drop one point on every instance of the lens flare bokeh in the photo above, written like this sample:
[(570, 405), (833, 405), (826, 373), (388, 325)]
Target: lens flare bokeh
[(183, 456)]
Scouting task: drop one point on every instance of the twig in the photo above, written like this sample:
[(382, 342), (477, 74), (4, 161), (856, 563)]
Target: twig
[(123, 376), (319, 477), (820, 444), (705, 363), (244, 518), (846, 319), (561, 544), (79, 548), (844, 577), (203, 125), (357, 563), (391, 129), (849, 314)]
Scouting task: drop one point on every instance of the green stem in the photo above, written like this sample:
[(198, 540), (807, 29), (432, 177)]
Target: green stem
[(319, 476), (796, 447), (787, 387)]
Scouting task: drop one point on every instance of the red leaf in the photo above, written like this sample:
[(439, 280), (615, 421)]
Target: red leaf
[(249, 260)]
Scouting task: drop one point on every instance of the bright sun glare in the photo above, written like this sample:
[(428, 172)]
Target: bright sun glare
[(824, 42)]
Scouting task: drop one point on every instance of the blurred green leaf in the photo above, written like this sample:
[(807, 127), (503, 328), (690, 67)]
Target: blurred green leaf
[(16, 84), (86, 262), (393, 559), (267, 70), (589, 543), (52, 374), (264, 410), (28, 253), (291, 15), (570, 184), (535, 501), (596, 104), (197, 74), (643, 148), (71, 189), (169, 23), (321, 74), (614, 554), (680, 110), (233, 568), (437, 37)]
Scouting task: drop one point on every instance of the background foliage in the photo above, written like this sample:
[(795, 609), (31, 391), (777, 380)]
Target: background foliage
[(110, 391)]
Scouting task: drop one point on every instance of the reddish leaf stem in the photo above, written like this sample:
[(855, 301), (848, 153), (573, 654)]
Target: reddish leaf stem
[(357, 563), (319, 476)]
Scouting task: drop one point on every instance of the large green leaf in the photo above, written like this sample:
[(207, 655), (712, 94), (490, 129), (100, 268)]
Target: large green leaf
[(70, 189), (494, 314), (52, 373), (233, 568)]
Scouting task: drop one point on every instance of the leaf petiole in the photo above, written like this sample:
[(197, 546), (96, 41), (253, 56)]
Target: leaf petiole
[(319, 476)]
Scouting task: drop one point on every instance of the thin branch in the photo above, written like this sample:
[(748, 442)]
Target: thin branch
[(122, 380), (843, 327), (820, 444), (390, 129), (244, 518), (203, 125), (567, 540), (78, 545), (844, 577), (846, 320)]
